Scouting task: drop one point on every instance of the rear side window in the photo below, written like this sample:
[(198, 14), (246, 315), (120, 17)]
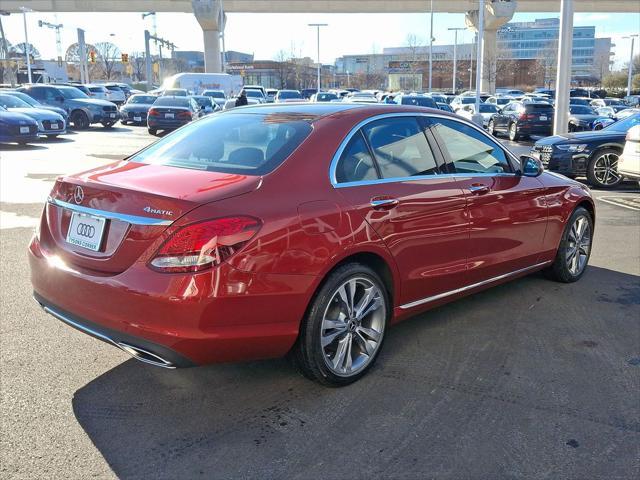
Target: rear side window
[(248, 144), (356, 163), (400, 148), (469, 151)]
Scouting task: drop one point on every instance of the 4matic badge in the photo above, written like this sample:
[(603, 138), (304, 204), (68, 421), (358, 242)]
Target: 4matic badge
[(157, 211)]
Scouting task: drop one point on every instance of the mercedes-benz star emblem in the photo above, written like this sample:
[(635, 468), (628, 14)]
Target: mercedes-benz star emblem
[(78, 195)]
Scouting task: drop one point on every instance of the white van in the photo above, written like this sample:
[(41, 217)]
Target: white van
[(196, 83)]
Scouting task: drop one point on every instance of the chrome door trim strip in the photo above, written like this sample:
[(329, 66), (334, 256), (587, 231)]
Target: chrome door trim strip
[(133, 219), (358, 126), (407, 306)]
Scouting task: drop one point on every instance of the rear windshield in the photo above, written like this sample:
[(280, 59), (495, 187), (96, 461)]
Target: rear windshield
[(113, 88), (284, 94), (214, 94), (250, 144), (538, 107), (96, 89), (142, 99), (581, 110), (420, 101), (172, 101)]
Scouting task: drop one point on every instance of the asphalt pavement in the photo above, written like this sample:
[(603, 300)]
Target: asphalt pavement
[(532, 379)]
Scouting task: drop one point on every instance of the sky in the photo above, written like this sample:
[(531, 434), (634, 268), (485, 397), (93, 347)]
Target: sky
[(265, 35)]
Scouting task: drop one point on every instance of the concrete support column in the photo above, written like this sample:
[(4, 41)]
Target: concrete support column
[(565, 60), (211, 18), (496, 14)]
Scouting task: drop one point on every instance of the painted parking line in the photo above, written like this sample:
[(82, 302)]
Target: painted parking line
[(632, 203)]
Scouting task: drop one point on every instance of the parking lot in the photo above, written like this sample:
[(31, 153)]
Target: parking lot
[(532, 379)]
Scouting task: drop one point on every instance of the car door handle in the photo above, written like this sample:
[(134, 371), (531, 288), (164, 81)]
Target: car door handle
[(479, 188), (384, 203)]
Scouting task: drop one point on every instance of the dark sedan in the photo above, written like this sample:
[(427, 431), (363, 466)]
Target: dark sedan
[(518, 119), (17, 127), (582, 118), (591, 154), (169, 113), (136, 109)]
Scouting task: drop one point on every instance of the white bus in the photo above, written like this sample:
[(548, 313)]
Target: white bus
[(195, 83)]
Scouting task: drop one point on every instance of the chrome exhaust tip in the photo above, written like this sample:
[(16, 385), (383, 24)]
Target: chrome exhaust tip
[(144, 355)]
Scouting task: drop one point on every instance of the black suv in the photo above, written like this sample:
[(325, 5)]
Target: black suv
[(520, 119), (591, 154)]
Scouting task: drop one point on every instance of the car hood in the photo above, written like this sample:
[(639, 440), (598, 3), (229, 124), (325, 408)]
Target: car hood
[(38, 113), (16, 118), (91, 102), (586, 117), (595, 136)]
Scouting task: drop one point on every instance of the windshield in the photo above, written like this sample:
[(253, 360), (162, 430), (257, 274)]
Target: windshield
[(71, 92), (581, 110), (289, 94), (202, 101), (142, 99), (172, 102), (229, 143), (623, 126), (488, 108), (214, 94), (8, 101), (254, 93), (25, 98)]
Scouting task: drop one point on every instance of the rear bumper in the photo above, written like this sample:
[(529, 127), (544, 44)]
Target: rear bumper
[(18, 138), (532, 129), (218, 315), (165, 124)]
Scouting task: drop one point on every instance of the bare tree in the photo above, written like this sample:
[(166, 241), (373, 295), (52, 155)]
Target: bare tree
[(283, 68), (547, 65), (138, 66), (108, 56)]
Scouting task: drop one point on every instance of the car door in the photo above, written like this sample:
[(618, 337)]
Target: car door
[(389, 173), (502, 119), (507, 211)]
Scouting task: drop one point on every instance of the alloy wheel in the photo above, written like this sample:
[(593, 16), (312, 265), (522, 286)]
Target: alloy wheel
[(578, 245), (605, 169), (352, 326)]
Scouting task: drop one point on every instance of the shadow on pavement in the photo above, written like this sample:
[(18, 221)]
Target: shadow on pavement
[(15, 147), (518, 381)]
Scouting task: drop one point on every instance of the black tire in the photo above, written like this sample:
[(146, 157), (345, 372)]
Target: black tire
[(599, 160), (152, 131), (79, 120), (108, 124), (559, 270), (54, 136), (572, 128), (491, 128), (123, 122), (308, 354), (514, 136)]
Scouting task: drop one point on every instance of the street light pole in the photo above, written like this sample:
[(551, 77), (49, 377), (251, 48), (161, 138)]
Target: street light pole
[(318, 25), (26, 40), (630, 76), (455, 57), (431, 50), (479, 61)]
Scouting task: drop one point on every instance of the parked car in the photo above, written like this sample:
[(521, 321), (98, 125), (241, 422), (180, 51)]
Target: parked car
[(36, 104), (582, 118), (98, 91), (487, 111), (499, 101), (49, 123), (188, 252), (83, 111), (217, 96), (519, 119), (136, 109), (83, 88), (607, 102), (629, 162), (509, 92), (591, 154), (206, 104), (231, 103), (417, 100), (603, 122), (271, 94), (288, 96), (580, 101), (116, 94), (307, 92), (255, 94), (324, 97), (444, 106), (168, 113), (17, 127), (260, 88), (360, 97), (459, 101), (175, 92)]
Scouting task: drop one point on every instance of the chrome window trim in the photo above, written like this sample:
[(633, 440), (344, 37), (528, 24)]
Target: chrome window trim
[(132, 219), (366, 121), (440, 296)]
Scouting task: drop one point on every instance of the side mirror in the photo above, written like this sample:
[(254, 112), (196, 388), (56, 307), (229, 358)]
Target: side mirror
[(530, 167)]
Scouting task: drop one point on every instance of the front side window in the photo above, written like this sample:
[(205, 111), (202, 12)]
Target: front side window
[(469, 150), (356, 164), (400, 148)]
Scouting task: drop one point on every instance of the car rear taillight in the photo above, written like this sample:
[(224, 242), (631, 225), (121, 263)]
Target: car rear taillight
[(206, 244), (153, 112), (184, 115), (527, 116)]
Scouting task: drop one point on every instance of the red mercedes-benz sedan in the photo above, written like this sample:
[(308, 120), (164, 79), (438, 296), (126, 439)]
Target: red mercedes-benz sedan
[(306, 229)]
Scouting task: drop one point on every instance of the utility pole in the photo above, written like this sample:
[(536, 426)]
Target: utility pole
[(479, 59), (147, 50), (563, 77), (57, 28), (431, 50), (26, 40), (455, 57), (82, 53), (318, 25), (5, 51), (630, 74)]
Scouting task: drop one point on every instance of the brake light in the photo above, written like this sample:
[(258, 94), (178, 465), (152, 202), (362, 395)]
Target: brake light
[(527, 116), (206, 244), (184, 115), (153, 111)]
